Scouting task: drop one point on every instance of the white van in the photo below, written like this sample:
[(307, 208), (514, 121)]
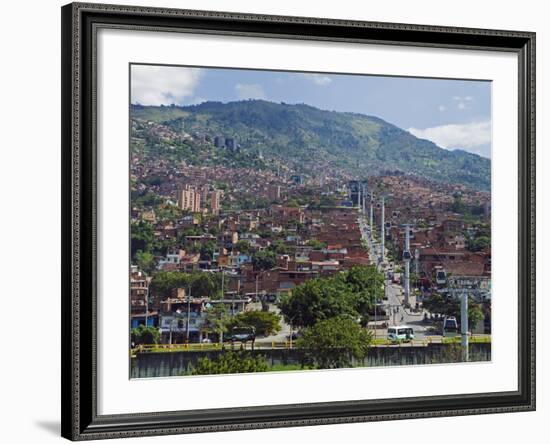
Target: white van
[(400, 333)]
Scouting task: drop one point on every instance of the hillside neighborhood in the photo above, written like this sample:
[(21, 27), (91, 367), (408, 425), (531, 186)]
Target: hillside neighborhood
[(225, 240)]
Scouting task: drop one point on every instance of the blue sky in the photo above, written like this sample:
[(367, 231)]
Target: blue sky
[(451, 113)]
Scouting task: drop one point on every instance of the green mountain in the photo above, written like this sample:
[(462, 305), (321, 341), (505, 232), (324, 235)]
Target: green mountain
[(306, 136)]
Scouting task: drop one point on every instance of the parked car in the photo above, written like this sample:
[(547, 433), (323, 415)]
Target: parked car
[(243, 334)]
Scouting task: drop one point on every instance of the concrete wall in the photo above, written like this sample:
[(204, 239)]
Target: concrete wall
[(153, 365)]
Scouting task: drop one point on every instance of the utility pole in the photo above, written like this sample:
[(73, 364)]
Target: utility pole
[(382, 228), (375, 314), (371, 218), (188, 313), (223, 289), (364, 201), (407, 260), (171, 325), (146, 303), (464, 326)]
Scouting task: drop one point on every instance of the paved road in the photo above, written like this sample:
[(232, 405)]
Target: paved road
[(397, 314), (403, 316), (394, 293), (279, 337), (374, 249)]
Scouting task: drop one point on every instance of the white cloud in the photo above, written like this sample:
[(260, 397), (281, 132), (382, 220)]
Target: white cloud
[(462, 101), (442, 108), (474, 137), (318, 79), (163, 85), (249, 91)]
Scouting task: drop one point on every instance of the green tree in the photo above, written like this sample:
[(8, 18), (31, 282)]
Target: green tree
[(475, 315), (264, 260), (148, 199), (207, 250), (231, 362), (367, 284), (164, 282), (202, 284), (316, 244), (142, 237), (450, 306), (243, 246), (217, 319), (479, 243), (458, 205), (214, 230), (443, 305), (145, 261), (145, 335), (206, 284), (334, 343), (316, 300), (265, 322), (279, 247), (348, 293)]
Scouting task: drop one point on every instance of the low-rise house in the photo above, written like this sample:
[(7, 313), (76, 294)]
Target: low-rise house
[(142, 310), (173, 258), (184, 319)]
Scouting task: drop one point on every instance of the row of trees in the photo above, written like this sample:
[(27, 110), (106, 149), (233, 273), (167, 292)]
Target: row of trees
[(201, 284), (332, 343), (220, 322), (145, 335), (330, 312), (231, 362)]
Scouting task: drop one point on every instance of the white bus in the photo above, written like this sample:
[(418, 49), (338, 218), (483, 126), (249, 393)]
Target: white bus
[(400, 333)]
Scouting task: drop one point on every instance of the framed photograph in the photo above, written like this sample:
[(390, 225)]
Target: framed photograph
[(280, 221)]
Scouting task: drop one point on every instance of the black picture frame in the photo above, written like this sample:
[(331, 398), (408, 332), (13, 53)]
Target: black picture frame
[(80, 420)]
